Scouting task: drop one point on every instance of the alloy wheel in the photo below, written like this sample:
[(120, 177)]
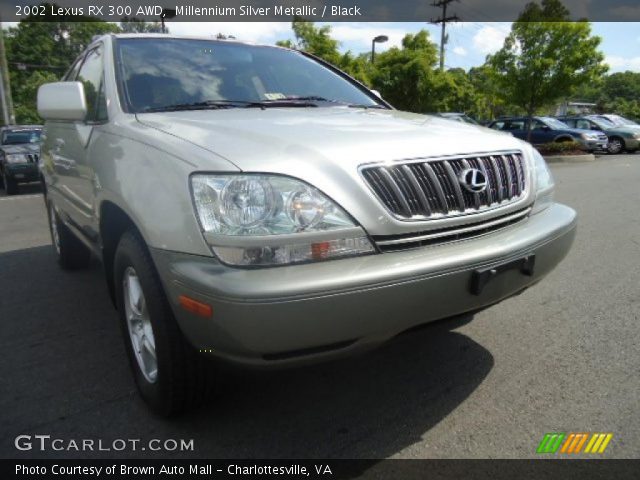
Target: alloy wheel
[(139, 325)]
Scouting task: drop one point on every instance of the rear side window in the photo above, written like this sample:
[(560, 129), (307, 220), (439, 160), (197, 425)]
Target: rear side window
[(497, 125), (91, 76), (514, 125)]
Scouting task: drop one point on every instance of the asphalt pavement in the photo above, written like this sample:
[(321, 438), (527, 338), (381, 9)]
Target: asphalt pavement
[(564, 356)]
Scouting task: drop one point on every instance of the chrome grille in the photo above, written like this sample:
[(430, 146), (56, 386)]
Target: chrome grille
[(423, 189), (392, 243)]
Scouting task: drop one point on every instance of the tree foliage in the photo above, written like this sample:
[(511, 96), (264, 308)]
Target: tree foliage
[(40, 50), (545, 57), (135, 25)]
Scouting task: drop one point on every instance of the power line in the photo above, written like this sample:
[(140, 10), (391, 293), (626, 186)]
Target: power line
[(443, 20)]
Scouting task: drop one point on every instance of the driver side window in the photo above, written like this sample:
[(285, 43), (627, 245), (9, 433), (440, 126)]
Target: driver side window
[(585, 124)]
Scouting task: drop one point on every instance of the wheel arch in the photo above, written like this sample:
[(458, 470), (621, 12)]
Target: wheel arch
[(114, 221)]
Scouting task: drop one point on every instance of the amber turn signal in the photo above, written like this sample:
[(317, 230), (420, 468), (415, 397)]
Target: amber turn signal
[(195, 307)]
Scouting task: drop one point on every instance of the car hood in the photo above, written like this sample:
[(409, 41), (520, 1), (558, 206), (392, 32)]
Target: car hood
[(580, 131), (628, 129), (21, 148), (288, 139)]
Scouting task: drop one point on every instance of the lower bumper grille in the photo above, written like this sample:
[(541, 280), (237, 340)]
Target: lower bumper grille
[(393, 243)]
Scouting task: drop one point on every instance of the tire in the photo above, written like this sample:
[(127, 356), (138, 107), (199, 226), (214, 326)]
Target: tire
[(616, 145), (72, 253), (176, 377), (10, 186)]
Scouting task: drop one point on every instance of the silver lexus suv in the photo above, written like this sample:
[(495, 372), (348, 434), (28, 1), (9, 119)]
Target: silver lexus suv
[(255, 204)]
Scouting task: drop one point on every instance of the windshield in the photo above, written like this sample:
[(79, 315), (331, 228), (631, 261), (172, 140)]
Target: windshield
[(161, 72), (17, 137), (554, 123), (602, 122), (620, 120)]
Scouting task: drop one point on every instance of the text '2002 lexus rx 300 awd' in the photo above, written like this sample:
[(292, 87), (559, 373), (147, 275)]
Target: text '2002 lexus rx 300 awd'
[(255, 204)]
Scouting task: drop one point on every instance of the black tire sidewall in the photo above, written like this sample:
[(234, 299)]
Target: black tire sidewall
[(131, 252), (10, 186)]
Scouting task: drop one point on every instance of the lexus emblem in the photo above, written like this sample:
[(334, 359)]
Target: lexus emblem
[(473, 180)]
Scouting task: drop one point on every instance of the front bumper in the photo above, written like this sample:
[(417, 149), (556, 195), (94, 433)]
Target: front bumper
[(595, 144), (22, 172), (308, 312), (632, 143)]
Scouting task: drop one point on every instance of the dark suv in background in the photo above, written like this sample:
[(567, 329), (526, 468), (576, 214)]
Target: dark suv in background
[(19, 154), (548, 129), (621, 137)]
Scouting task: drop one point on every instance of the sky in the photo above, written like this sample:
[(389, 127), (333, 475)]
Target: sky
[(469, 42)]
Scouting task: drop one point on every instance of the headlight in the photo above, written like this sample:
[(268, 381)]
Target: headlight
[(589, 136), (544, 183), (266, 220), (636, 136), (17, 158)]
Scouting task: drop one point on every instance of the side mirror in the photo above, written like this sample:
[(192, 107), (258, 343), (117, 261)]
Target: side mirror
[(377, 94), (62, 101), (546, 128)]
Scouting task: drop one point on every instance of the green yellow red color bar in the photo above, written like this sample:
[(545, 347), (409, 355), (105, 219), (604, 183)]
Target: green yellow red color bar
[(572, 443)]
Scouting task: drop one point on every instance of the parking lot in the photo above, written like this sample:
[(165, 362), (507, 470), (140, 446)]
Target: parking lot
[(564, 356)]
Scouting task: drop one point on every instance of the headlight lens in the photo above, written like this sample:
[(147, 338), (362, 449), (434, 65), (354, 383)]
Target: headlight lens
[(589, 136), (544, 183), (274, 220), (17, 158)]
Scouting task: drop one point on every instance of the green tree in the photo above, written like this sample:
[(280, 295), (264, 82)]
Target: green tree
[(314, 40), (545, 57), (317, 41), (623, 85), (135, 25), (39, 50), (406, 76)]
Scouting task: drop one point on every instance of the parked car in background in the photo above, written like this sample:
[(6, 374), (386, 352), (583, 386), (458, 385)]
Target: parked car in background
[(548, 130), (255, 204), (19, 154), (621, 137), (458, 117)]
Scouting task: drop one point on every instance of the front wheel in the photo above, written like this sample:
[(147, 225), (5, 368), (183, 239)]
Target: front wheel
[(10, 186), (168, 372), (616, 145)]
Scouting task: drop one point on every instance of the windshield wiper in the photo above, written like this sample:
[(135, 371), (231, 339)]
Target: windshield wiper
[(205, 105), (284, 102), (218, 104), (358, 105)]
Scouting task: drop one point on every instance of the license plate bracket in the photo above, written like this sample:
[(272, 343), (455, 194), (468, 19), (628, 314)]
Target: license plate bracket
[(482, 276)]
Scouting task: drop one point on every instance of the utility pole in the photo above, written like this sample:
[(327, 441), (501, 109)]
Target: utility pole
[(443, 20), (5, 89)]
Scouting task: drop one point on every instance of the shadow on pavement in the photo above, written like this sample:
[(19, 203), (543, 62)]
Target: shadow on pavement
[(67, 376)]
